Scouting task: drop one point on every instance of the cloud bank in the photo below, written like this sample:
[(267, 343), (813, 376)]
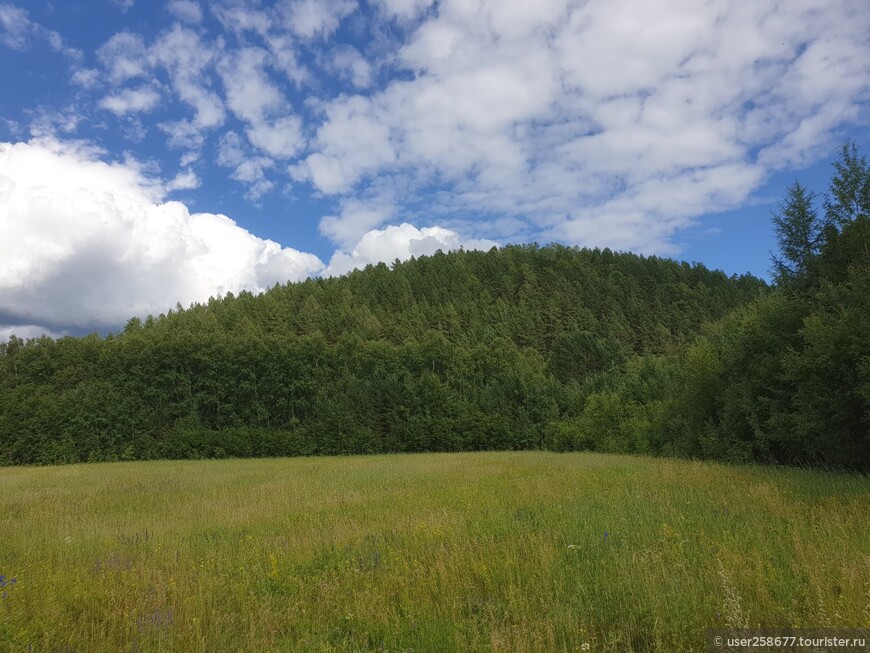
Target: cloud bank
[(593, 122), (611, 122), (88, 244)]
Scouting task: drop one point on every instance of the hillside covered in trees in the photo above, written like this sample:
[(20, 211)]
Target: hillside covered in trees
[(467, 350), (516, 348)]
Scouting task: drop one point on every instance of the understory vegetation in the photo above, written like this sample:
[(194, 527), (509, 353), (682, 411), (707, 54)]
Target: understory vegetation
[(501, 551), (523, 347)]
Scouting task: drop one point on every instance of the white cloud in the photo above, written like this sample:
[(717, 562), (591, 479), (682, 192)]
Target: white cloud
[(250, 93), (184, 134), (349, 63), (253, 173), (404, 9), (310, 18), (247, 169), (131, 101), (185, 10), (124, 56), (186, 58), (613, 122), (16, 27), (399, 242), (356, 218), (86, 77), (241, 19), (231, 150), (254, 98), (352, 142), (185, 180), (125, 4), (281, 138), (286, 59), (17, 31), (52, 123), (100, 244)]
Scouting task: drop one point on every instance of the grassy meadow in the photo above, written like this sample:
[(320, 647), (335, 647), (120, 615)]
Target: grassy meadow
[(430, 552)]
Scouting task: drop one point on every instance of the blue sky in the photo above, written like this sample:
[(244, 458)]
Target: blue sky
[(162, 152)]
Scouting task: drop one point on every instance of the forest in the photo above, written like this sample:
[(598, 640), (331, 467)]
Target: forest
[(521, 347)]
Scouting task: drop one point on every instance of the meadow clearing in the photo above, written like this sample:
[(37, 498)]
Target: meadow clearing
[(432, 552)]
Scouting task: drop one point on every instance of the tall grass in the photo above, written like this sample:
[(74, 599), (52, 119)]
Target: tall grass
[(441, 552)]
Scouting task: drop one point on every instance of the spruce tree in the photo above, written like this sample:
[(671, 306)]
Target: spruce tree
[(798, 234)]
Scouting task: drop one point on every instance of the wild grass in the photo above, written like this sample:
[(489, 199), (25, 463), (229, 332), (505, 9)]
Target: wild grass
[(443, 552)]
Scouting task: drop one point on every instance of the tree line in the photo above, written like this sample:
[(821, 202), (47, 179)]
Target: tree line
[(459, 351)]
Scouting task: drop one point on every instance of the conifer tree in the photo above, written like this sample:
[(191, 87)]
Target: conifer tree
[(798, 233)]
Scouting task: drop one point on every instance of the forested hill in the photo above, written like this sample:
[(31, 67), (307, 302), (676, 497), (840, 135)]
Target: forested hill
[(528, 294), (458, 351)]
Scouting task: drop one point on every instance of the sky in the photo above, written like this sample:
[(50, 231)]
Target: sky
[(155, 153)]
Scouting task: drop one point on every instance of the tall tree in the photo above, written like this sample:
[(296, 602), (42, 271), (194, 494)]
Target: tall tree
[(798, 233)]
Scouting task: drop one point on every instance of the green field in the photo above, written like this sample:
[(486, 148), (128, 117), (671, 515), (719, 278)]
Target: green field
[(434, 552)]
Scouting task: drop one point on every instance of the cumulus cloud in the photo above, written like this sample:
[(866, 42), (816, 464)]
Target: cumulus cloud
[(250, 93), (400, 242), (310, 18), (186, 10), (280, 138), (357, 216), (614, 122), (247, 169), (88, 244), (86, 77), (254, 98), (184, 180), (124, 56), (131, 101), (184, 57), (16, 26), (238, 19), (352, 142), (350, 64), (17, 31), (404, 9), (53, 123)]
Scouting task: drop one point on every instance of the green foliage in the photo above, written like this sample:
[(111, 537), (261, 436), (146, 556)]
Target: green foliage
[(785, 378), (577, 354), (798, 232), (849, 194), (459, 351)]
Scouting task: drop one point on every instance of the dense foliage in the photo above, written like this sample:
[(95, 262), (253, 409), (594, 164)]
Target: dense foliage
[(459, 351), (784, 379), (516, 348)]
